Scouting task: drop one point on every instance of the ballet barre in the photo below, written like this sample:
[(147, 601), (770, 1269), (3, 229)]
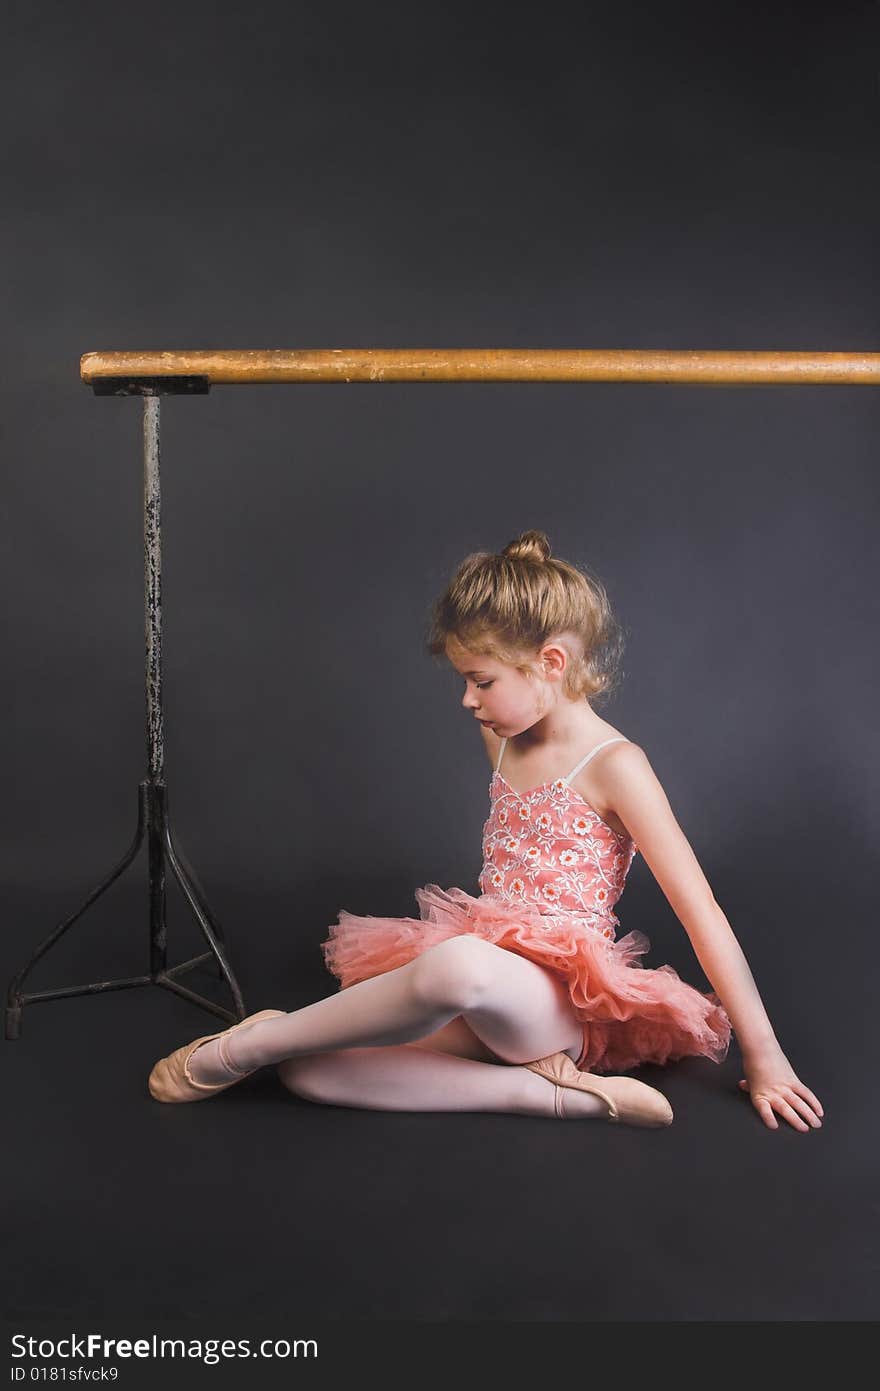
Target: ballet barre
[(115, 373), (152, 375)]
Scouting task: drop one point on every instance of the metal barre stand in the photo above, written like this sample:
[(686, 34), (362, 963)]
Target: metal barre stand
[(153, 815), (153, 374)]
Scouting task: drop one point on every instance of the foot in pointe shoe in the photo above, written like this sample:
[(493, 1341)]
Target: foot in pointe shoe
[(628, 1100), (170, 1079)]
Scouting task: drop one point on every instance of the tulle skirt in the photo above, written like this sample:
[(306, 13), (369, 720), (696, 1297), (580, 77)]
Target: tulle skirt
[(630, 1013)]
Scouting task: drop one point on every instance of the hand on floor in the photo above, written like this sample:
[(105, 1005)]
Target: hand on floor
[(774, 1086)]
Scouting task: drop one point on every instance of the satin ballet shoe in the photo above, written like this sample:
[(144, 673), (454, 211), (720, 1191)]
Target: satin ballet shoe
[(170, 1079), (627, 1099)]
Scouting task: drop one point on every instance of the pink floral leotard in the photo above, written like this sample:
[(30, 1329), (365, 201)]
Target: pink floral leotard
[(552, 873)]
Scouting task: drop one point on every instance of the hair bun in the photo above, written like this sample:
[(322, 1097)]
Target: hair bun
[(531, 545)]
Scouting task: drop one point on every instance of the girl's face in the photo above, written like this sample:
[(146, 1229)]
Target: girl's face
[(497, 694)]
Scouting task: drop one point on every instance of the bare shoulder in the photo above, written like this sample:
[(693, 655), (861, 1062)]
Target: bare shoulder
[(630, 791), (616, 751), (637, 799), (616, 770), (623, 764), (492, 744), (623, 755)]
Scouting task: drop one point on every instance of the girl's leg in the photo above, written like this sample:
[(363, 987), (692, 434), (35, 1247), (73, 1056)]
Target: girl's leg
[(459, 1038), (519, 1009), (412, 1078)]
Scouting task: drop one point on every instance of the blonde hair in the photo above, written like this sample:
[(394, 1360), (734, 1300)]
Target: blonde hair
[(507, 606)]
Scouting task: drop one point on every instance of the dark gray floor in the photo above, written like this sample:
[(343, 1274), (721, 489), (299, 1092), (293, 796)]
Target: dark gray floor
[(259, 1200)]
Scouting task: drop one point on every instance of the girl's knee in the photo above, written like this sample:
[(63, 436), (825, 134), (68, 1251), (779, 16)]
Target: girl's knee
[(454, 973)]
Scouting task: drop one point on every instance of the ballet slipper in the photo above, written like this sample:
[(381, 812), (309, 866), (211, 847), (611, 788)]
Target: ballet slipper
[(170, 1079), (627, 1099)]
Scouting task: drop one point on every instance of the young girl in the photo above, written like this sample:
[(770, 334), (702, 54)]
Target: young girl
[(523, 999)]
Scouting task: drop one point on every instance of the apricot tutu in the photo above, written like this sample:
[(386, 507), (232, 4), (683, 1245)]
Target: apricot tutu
[(553, 870)]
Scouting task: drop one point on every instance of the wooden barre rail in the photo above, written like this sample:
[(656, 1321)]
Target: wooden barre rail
[(489, 365)]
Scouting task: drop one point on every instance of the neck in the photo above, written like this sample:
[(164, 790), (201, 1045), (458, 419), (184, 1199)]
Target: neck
[(564, 727)]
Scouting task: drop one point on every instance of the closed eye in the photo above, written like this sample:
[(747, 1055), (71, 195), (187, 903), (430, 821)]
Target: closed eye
[(481, 685)]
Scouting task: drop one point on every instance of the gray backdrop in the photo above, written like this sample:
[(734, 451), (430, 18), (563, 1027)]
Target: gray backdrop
[(626, 177)]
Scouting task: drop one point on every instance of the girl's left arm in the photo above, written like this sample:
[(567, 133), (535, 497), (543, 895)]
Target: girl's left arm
[(634, 793)]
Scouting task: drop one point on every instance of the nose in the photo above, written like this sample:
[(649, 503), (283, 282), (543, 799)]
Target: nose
[(469, 701)]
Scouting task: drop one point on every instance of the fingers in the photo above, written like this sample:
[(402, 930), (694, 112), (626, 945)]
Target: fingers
[(765, 1104), (794, 1101), (813, 1100), (804, 1108), (800, 1108), (765, 1111)]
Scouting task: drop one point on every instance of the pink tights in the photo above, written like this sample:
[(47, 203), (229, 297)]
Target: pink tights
[(428, 1036)]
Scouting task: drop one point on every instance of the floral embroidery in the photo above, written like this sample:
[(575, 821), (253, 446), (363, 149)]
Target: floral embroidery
[(564, 860)]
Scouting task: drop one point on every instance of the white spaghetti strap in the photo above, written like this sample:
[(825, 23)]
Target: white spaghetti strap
[(618, 738), (500, 755)]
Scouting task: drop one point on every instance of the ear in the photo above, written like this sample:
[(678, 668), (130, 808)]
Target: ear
[(553, 658)]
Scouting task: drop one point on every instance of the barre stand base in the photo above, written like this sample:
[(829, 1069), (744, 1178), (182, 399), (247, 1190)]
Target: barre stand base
[(154, 821)]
